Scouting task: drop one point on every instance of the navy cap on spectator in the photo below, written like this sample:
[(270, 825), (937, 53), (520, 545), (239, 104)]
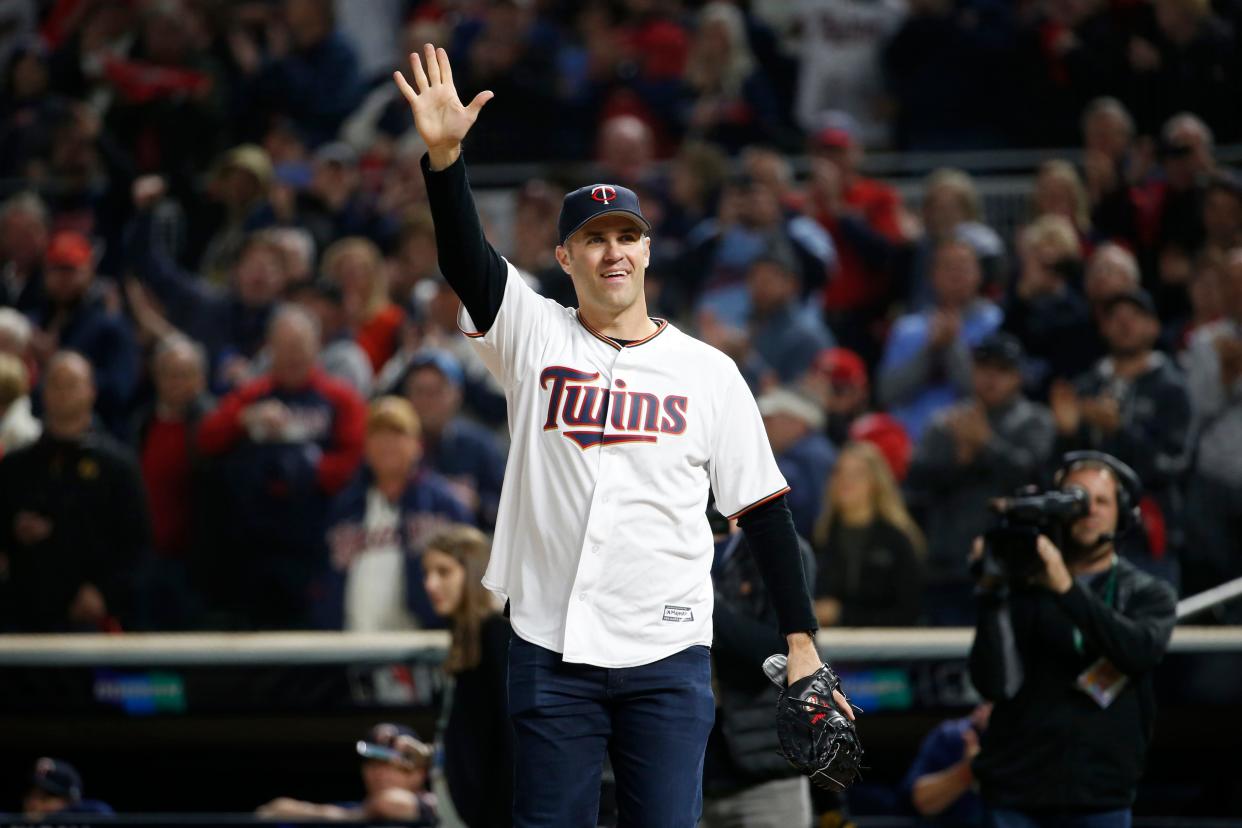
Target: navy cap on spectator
[(1000, 349), (1168, 148), (779, 254), (324, 289), (396, 743), (58, 778), (585, 203), (442, 361), (1138, 297)]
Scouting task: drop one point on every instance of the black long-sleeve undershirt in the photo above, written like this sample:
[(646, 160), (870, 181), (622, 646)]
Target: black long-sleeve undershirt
[(472, 267), (769, 530)]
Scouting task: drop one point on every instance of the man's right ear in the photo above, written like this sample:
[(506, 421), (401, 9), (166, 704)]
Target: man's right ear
[(562, 257)]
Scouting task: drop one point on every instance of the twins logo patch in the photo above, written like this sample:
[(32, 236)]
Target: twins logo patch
[(811, 706), (678, 614), (604, 193)]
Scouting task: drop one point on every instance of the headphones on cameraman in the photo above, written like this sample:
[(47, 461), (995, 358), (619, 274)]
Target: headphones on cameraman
[(1129, 487)]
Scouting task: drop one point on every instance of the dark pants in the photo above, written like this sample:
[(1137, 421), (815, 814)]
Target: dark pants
[(1004, 818), (653, 721)]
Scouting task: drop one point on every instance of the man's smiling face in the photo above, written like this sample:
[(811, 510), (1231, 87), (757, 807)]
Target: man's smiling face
[(607, 260)]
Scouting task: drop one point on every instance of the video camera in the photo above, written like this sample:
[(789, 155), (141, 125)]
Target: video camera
[(1009, 547)]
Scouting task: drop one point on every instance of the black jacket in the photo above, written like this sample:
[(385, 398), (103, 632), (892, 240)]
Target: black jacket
[(91, 492), (1059, 337), (478, 736), (953, 496), (877, 585), (1156, 435), (1049, 746)]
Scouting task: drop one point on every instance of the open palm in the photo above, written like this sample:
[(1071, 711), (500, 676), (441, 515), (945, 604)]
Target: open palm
[(439, 115)]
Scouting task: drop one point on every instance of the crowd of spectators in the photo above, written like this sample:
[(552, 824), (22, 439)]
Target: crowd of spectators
[(232, 390)]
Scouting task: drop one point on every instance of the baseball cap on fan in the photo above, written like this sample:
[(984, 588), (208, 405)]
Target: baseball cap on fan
[(835, 130), (68, 248), (58, 778), (585, 203), (394, 743), (842, 367)]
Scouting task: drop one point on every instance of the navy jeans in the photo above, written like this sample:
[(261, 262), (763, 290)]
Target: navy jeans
[(1005, 818), (653, 721)]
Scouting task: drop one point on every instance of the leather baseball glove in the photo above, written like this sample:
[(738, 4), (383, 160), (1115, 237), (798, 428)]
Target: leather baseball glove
[(816, 736)]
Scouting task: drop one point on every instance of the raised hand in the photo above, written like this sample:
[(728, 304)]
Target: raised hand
[(1066, 407), (439, 115)]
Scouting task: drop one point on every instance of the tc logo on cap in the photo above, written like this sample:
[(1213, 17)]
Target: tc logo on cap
[(604, 193)]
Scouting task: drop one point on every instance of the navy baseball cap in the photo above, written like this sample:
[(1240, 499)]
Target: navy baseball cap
[(1138, 297), (58, 778), (444, 362), (1002, 349), (396, 743), (585, 203)]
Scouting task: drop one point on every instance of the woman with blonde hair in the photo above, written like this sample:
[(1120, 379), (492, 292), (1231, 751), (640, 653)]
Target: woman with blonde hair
[(1049, 254), (18, 427), (1047, 311), (476, 733), (1059, 191), (868, 550), (356, 265), (733, 103), (950, 198)]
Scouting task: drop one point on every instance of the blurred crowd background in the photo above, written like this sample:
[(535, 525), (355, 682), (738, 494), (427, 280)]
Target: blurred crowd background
[(224, 331), (945, 240)]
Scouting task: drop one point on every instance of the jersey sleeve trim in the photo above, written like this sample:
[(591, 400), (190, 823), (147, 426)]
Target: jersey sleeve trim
[(758, 503), (463, 311)]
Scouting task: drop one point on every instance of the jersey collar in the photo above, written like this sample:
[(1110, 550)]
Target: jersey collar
[(661, 324)]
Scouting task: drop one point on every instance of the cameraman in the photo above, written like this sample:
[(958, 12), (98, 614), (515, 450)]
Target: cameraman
[(1066, 655)]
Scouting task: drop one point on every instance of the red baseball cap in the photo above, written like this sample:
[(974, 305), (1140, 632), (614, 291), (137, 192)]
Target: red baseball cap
[(834, 138), (68, 248), (842, 366), (888, 435)]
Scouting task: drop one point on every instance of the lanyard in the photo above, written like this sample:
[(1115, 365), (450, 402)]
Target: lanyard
[(1110, 592)]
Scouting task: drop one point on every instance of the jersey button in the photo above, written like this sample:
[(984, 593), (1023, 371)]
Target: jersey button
[(595, 548), (581, 596)]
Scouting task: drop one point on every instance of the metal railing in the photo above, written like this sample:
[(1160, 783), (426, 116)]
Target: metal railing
[(241, 649), (887, 165), (301, 648)]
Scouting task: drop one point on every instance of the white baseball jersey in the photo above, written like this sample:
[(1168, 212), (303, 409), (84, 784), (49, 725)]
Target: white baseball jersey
[(839, 66), (602, 545)]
